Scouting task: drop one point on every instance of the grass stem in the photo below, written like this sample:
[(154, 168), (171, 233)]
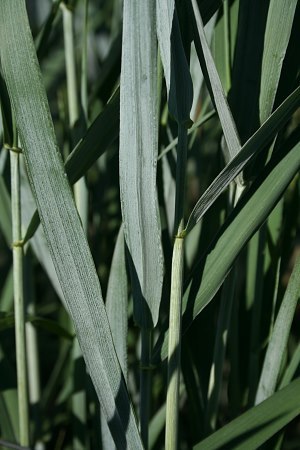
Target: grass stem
[(17, 249), (227, 44), (80, 194), (70, 64), (174, 345), (83, 86), (174, 348)]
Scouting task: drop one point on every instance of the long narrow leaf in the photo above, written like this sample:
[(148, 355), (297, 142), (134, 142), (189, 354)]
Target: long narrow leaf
[(279, 338), (116, 301), (249, 215), (219, 98), (60, 220), (102, 132), (164, 21), (99, 136), (116, 308), (38, 242), (5, 212), (255, 144), (278, 30), (138, 158), (256, 426)]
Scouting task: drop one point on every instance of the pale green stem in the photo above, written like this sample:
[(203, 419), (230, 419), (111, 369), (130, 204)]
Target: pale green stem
[(227, 45), (80, 191), (70, 64), (32, 351), (80, 194), (83, 90), (174, 344), (17, 247)]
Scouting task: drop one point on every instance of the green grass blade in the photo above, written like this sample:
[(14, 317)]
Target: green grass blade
[(257, 425), (291, 368), (116, 307), (178, 81), (7, 292), (7, 320), (217, 367), (84, 63), (255, 144), (99, 136), (61, 223), (246, 74), (212, 78), (19, 299), (10, 397), (138, 158), (164, 21), (180, 99), (5, 212), (7, 429), (174, 345), (43, 36), (38, 242), (256, 261), (116, 301), (278, 30), (277, 345), (256, 204)]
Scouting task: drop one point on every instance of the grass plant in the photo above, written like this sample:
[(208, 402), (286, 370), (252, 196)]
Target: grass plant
[(153, 261)]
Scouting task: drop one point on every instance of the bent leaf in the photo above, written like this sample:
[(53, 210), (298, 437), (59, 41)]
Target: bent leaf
[(249, 214), (253, 146), (212, 78)]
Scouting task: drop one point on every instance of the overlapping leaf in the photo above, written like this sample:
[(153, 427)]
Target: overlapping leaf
[(61, 223), (279, 338), (248, 216), (256, 426), (253, 146), (138, 158), (277, 35)]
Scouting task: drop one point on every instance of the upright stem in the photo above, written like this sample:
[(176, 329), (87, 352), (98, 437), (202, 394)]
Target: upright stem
[(180, 179), (80, 191), (174, 345), (174, 348), (145, 385), (227, 45), (83, 90), (32, 352), (70, 64), (19, 296), (80, 194)]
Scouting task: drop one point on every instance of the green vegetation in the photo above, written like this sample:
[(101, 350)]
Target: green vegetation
[(149, 224)]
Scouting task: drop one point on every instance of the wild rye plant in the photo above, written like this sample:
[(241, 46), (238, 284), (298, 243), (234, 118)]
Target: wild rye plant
[(177, 123)]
